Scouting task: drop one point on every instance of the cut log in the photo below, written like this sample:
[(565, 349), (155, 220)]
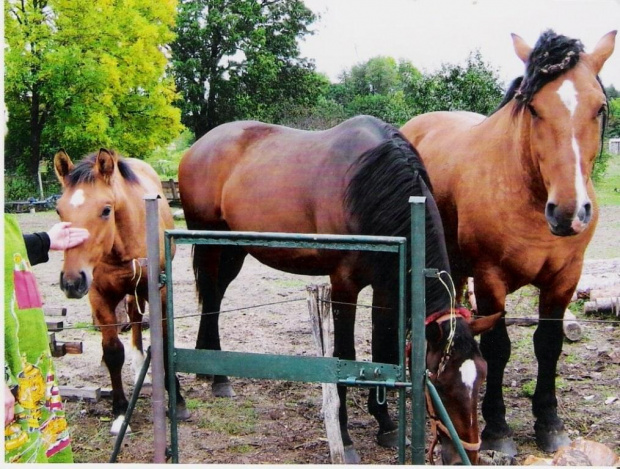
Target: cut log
[(89, 393), (609, 306), (572, 328), (53, 325)]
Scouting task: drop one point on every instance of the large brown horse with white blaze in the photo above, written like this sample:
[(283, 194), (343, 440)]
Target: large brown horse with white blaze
[(105, 194), (518, 205), (355, 178)]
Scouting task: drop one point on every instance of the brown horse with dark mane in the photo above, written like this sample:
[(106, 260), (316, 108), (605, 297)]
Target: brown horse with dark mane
[(105, 193), (518, 206), (355, 178)]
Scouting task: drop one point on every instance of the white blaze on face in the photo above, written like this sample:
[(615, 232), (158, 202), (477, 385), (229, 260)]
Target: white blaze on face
[(569, 97), (77, 198), (468, 374)]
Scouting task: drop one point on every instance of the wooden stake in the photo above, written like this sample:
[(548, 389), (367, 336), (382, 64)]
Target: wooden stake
[(319, 306)]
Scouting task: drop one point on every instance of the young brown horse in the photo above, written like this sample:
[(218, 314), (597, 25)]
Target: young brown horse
[(518, 206), (355, 178), (105, 194)]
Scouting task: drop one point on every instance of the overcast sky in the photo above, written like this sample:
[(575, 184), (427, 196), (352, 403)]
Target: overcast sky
[(432, 32)]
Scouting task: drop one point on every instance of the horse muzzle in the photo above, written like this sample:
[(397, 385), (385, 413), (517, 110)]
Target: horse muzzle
[(74, 287), (566, 222)]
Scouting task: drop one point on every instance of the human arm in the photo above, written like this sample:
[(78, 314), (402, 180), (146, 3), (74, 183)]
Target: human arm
[(59, 237)]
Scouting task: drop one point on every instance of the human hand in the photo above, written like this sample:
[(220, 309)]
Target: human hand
[(62, 236), (9, 405)]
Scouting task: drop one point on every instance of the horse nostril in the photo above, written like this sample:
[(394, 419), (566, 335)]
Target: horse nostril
[(585, 213), (550, 213)]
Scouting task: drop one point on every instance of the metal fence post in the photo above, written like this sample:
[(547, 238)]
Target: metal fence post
[(156, 328), (418, 339)]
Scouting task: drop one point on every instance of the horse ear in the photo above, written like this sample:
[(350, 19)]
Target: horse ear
[(105, 163), (433, 333), (62, 165), (603, 50), (486, 323), (522, 49)]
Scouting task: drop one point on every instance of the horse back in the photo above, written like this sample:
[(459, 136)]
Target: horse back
[(252, 176)]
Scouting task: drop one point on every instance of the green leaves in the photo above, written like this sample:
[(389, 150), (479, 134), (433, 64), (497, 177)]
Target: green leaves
[(83, 74), (239, 59)]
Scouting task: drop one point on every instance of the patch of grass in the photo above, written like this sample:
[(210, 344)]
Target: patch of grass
[(528, 388), (608, 186), (241, 449), (228, 416), (87, 326)]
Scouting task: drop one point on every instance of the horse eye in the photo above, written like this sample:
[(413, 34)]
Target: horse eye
[(532, 110), (602, 111), (106, 211)]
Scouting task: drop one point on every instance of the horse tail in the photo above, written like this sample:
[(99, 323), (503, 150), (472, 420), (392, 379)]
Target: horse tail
[(377, 200)]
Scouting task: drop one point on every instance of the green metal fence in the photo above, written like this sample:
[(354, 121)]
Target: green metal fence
[(317, 369)]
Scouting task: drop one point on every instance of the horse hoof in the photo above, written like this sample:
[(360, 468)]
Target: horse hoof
[(222, 390), (551, 440), (351, 456), (183, 413), (390, 439), (117, 424), (503, 445)]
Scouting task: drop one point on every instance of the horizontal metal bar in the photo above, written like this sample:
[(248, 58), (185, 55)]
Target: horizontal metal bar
[(281, 367), (289, 240)]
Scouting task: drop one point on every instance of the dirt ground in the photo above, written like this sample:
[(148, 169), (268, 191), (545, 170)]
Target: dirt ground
[(280, 422)]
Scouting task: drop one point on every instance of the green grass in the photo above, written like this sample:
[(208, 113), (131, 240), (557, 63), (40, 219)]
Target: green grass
[(88, 326), (608, 187), (228, 416)]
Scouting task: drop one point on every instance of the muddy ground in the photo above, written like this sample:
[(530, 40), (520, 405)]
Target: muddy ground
[(280, 422)]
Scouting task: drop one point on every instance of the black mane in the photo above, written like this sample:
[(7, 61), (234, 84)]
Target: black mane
[(552, 56), (83, 171), (377, 198)]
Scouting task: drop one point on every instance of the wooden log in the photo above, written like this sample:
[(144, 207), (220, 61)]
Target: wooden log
[(571, 327), (320, 318), (54, 311), (470, 295), (89, 393), (53, 325), (603, 306), (74, 348)]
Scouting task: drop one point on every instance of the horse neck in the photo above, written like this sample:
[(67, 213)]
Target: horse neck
[(515, 160), (130, 220)]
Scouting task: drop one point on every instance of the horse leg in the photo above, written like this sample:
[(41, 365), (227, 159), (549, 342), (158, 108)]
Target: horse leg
[(181, 409), (549, 428), (215, 268), (384, 350), (495, 347), (344, 297), (103, 307), (135, 311)]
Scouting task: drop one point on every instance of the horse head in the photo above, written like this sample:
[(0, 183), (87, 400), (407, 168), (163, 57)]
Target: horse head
[(457, 370), (564, 108), (88, 200)]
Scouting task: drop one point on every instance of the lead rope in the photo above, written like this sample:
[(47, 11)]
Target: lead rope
[(137, 272), (449, 341)]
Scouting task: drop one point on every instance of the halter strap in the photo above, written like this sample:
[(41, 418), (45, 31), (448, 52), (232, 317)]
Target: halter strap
[(441, 316), (437, 425)]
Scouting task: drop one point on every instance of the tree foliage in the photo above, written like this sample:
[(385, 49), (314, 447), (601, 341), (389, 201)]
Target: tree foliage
[(237, 59), (83, 74)]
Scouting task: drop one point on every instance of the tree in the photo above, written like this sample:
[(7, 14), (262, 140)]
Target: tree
[(83, 74), (473, 87), (236, 59)]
